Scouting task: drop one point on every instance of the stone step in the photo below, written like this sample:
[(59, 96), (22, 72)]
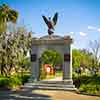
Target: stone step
[(50, 86), (56, 88), (68, 82), (54, 85)]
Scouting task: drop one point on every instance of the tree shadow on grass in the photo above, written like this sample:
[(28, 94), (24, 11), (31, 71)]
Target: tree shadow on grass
[(27, 93)]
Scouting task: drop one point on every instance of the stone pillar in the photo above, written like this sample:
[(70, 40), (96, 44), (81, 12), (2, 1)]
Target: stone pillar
[(67, 68), (70, 61), (34, 64)]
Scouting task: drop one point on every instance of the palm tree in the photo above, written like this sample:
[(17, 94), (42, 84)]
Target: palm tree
[(7, 15)]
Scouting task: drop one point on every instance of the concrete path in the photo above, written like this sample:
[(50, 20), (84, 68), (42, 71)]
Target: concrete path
[(29, 93), (54, 79)]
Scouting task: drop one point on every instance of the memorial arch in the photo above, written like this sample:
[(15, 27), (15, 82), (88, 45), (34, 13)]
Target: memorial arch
[(58, 43)]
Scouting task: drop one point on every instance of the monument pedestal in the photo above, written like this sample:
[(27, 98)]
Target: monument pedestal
[(53, 85), (59, 44)]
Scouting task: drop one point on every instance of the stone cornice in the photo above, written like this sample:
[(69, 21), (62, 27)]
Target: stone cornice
[(52, 41)]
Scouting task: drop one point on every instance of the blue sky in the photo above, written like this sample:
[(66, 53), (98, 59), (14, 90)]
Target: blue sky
[(78, 18)]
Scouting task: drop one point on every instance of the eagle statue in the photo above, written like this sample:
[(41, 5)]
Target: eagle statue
[(51, 23)]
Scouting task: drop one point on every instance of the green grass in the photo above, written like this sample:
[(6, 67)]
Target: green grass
[(44, 76), (50, 77), (59, 73)]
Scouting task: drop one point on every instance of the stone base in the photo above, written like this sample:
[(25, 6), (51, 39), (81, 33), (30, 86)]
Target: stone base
[(54, 85), (32, 79), (65, 82)]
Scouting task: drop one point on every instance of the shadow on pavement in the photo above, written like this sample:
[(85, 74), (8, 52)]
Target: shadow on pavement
[(27, 93)]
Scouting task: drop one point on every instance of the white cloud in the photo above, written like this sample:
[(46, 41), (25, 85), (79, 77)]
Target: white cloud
[(71, 32), (94, 28), (82, 33), (98, 29), (91, 27)]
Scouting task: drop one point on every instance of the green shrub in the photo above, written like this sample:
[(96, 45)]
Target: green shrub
[(88, 84), (4, 82), (74, 74), (18, 80), (93, 89), (25, 78), (94, 80), (14, 81)]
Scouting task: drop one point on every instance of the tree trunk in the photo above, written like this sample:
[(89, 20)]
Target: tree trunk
[(1, 69)]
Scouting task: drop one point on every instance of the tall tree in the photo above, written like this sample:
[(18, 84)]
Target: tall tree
[(95, 49), (14, 50), (51, 57), (81, 57), (7, 14)]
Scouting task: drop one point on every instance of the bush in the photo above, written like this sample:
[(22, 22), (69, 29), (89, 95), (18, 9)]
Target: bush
[(4, 82), (89, 88), (86, 80), (19, 79), (88, 84), (13, 81), (25, 78)]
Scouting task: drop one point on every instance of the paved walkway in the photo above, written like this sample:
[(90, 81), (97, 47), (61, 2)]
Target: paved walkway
[(28, 93), (54, 79)]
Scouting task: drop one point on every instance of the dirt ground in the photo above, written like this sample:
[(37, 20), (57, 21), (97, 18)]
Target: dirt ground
[(65, 95), (29, 93)]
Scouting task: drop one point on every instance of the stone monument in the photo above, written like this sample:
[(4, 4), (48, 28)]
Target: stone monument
[(53, 42)]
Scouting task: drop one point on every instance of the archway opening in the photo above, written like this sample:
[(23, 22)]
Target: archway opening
[(51, 64)]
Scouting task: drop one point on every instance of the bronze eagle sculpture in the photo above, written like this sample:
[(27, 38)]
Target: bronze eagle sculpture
[(51, 23)]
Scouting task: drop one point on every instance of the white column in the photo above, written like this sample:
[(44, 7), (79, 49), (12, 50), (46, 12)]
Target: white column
[(67, 70), (70, 61), (34, 65), (34, 71)]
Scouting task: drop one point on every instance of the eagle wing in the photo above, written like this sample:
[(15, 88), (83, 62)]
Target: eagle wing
[(54, 20), (46, 20)]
